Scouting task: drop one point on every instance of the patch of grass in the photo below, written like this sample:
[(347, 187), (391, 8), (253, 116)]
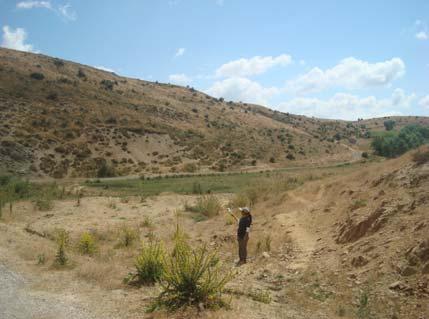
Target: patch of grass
[(127, 236), (358, 204), (199, 218), (364, 310), (147, 222), (256, 295), (267, 243), (239, 200), (43, 204), (87, 244), (196, 188), (41, 259), (260, 296), (208, 205), (213, 183), (150, 263), (318, 293)]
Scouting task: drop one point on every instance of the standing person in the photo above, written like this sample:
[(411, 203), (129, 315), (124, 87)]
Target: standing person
[(243, 234)]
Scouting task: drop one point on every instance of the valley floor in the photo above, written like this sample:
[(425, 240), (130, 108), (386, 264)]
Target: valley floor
[(298, 268)]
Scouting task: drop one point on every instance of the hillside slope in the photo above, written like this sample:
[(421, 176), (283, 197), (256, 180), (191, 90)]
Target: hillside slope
[(63, 119), (360, 235)]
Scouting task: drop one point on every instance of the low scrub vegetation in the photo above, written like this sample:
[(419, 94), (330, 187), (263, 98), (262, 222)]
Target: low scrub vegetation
[(62, 239), (208, 205), (149, 263), (187, 276), (87, 244), (192, 277), (127, 237)]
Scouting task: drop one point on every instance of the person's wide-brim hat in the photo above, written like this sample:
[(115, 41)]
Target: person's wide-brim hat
[(244, 210)]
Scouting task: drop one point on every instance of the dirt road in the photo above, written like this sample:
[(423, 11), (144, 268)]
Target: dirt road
[(18, 301)]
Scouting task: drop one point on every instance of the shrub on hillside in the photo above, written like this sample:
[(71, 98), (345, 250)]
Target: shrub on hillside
[(37, 76), (81, 74), (389, 125), (409, 137), (190, 167), (106, 171)]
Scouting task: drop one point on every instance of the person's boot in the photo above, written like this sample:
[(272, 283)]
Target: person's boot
[(240, 262)]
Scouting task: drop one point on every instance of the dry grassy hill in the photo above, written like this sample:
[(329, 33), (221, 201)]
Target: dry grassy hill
[(63, 119)]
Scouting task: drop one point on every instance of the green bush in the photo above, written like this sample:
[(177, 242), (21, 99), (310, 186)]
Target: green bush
[(193, 277), (87, 244), (37, 76), (389, 125), (393, 145), (150, 263), (62, 239)]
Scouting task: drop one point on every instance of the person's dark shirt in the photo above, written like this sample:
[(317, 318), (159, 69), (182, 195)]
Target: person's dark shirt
[(244, 222)]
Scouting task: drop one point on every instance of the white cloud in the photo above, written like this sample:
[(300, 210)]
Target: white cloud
[(103, 68), (180, 79), (34, 4), (421, 30), (400, 99), (350, 73), (15, 39), (424, 102), (180, 52), (242, 89), (422, 35), (253, 66), (67, 12), (349, 107)]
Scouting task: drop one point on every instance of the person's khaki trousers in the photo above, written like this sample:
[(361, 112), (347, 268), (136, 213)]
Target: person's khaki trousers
[(242, 247)]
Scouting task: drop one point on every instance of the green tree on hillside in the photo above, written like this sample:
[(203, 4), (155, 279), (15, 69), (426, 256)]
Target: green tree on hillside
[(389, 125)]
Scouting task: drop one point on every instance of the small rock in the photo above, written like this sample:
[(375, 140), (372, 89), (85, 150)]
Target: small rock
[(395, 285), (265, 254)]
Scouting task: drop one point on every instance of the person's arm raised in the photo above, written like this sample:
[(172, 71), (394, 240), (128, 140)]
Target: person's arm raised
[(230, 212)]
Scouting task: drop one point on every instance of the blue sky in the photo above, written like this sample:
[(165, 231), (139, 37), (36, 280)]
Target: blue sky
[(331, 59)]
